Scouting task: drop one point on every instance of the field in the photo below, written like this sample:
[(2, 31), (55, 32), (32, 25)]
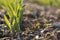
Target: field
[(31, 20)]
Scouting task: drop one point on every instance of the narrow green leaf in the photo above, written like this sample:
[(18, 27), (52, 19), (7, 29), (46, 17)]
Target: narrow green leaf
[(7, 22)]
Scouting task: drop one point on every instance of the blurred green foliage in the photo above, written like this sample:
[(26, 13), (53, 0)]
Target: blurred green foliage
[(48, 2)]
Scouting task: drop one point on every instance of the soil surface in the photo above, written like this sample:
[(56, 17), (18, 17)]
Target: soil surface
[(35, 23)]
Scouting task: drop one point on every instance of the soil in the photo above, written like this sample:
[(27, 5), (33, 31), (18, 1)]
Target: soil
[(33, 16)]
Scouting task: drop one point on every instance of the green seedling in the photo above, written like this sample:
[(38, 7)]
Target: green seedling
[(14, 10)]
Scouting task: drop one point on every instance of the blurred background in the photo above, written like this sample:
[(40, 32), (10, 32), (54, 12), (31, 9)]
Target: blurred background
[(43, 8)]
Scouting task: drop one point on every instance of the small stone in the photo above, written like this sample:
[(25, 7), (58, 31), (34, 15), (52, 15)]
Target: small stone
[(37, 36)]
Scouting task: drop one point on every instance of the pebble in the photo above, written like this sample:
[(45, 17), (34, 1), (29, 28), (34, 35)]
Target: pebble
[(37, 36)]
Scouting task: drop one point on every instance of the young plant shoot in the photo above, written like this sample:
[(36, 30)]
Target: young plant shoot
[(14, 10)]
